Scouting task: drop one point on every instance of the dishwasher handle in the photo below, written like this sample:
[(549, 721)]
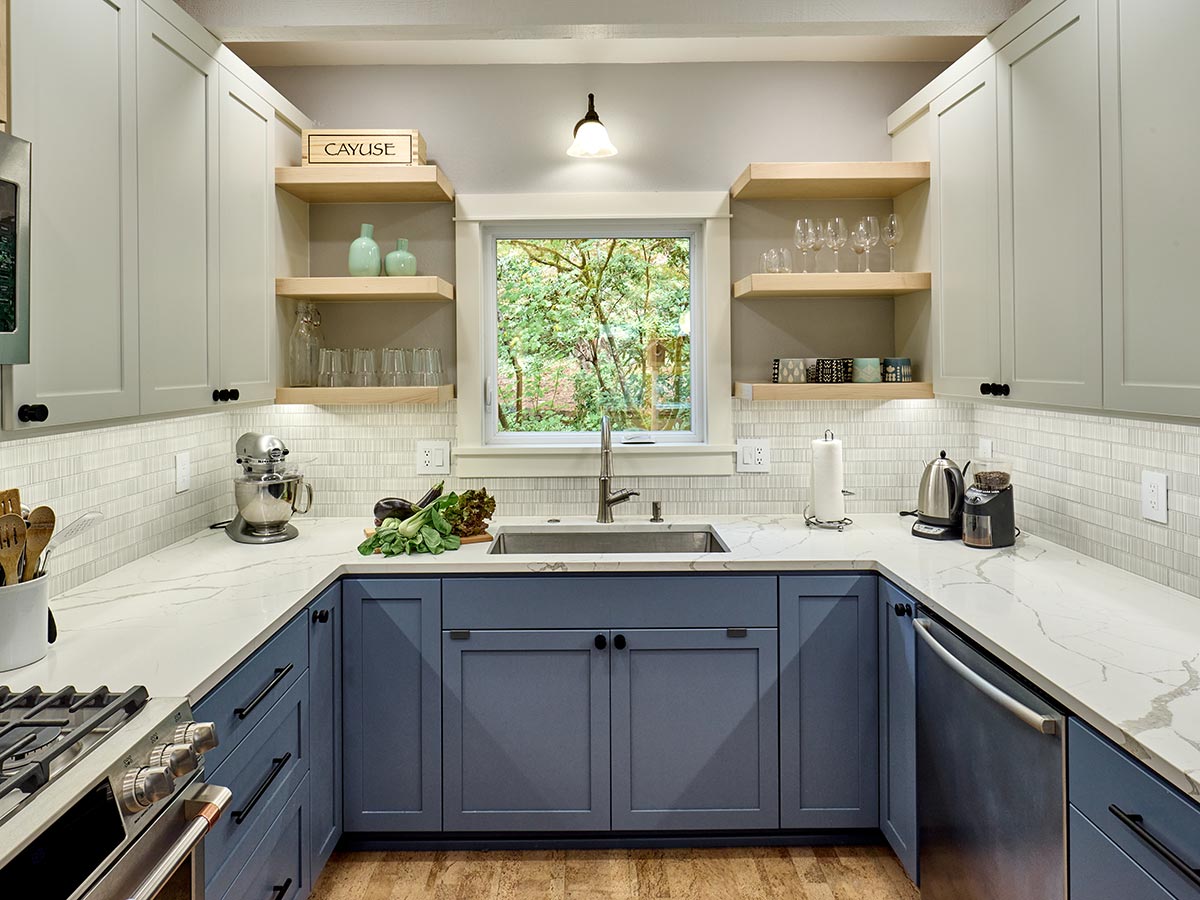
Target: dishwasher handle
[(1032, 718)]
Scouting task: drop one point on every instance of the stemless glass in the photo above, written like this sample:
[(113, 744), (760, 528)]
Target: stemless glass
[(393, 371), (435, 366), (836, 235), (803, 240), (870, 226), (362, 373), (785, 260), (333, 368), (893, 231)]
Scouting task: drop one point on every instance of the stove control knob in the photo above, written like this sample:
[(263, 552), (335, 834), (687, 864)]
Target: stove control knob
[(144, 787), (178, 759), (201, 735)]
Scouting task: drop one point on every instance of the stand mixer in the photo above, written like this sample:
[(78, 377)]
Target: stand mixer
[(267, 492)]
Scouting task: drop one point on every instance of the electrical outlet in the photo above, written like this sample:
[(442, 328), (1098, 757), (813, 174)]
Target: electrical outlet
[(183, 472), (1154, 496), (985, 448), (433, 457), (753, 455)]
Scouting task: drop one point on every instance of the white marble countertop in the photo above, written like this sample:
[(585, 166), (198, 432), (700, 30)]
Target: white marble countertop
[(1121, 652)]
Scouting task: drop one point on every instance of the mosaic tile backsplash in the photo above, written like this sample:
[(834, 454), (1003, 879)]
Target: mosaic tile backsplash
[(1077, 476)]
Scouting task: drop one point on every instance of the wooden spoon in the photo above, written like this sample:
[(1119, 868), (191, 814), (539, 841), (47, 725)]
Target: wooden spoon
[(12, 546), (10, 502), (37, 536)]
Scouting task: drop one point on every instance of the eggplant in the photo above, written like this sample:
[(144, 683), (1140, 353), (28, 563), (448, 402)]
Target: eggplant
[(393, 508), (434, 493)]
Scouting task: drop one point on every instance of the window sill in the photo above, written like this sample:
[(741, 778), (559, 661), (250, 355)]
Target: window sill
[(629, 460)]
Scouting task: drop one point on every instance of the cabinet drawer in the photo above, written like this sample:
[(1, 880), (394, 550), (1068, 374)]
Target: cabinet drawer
[(1104, 780), (596, 601), (263, 769), (1100, 870), (279, 867), (240, 701)]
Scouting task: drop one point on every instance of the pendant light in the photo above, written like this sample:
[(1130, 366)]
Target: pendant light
[(591, 137)]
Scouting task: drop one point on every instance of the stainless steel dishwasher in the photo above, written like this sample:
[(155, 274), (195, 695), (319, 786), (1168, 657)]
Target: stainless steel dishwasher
[(991, 767)]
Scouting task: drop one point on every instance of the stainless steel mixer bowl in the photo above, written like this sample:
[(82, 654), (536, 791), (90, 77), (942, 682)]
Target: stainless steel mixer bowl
[(266, 504)]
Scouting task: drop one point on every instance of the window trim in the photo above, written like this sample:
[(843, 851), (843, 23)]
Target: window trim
[(694, 231), (478, 217)]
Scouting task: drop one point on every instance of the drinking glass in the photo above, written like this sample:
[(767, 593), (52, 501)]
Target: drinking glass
[(435, 365), (333, 368), (816, 240), (836, 235), (859, 244), (771, 261), (785, 260), (869, 225), (393, 371), (893, 231), (803, 240), (427, 364), (362, 373)]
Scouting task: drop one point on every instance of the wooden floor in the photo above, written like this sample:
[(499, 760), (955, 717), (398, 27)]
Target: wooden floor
[(799, 873)]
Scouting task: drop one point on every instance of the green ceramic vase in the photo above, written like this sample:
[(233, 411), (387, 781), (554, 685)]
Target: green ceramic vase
[(400, 261), (365, 260)]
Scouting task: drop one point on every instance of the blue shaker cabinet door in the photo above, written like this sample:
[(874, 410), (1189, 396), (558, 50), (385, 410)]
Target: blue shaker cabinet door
[(829, 701), (898, 724), (391, 704), (526, 730), (325, 723), (695, 739)]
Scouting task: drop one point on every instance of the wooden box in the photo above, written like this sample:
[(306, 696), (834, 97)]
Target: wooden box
[(362, 147)]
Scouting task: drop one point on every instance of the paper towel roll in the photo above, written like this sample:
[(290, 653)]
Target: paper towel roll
[(828, 504)]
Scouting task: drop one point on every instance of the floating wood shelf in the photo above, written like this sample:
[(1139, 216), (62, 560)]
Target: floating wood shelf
[(828, 180), (366, 184), (364, 395), (399, 288), (907, 390), (770, 285)]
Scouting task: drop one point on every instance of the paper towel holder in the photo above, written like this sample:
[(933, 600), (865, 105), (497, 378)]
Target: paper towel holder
[(839, 525)]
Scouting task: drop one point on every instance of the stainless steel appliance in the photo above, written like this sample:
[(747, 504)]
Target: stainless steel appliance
[(267, 491), (14, 250), (991, 795), (939, 500), (101, 796)]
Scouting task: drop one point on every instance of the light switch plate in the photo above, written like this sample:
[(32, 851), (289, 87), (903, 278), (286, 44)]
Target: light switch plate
[(433, 457), (753, 455), (183, 472), (1154, 496)]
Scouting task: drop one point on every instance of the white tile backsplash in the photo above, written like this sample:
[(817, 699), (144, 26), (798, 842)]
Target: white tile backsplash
[(1077, 476)]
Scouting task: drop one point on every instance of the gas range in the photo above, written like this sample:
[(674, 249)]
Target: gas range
[(99, 788)]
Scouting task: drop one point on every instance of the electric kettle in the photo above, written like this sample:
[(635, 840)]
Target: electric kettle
[(939, 500)]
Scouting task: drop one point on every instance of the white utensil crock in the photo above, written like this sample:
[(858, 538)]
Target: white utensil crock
[(24, 614)]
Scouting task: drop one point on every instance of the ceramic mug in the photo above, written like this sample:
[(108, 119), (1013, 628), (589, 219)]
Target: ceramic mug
[(897, 368), (866, 370), (831, 371), (789, 371), (848, 366)]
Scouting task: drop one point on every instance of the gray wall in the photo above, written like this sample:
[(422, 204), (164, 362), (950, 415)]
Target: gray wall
[(498, 129)]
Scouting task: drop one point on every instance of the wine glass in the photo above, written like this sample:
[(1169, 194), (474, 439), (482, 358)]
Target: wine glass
[(804, 239), (816, 237), (836, 236), (859, 244), (869, 225), (893, 231)]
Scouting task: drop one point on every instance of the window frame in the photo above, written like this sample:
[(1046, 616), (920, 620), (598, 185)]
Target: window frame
[(694, 231), (478, 215)]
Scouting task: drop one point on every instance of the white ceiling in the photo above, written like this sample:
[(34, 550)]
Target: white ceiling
[(426, 32)]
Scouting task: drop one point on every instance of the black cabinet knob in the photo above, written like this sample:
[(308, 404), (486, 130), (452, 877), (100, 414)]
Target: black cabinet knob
[(235, 394), (1005, 390), (619, 642), (216, 395), (321, 615), (601, 642), (898, 609), (985, 389), (33, 412)]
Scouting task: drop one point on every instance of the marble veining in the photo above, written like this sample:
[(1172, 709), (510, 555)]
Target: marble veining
[(1118, 650)]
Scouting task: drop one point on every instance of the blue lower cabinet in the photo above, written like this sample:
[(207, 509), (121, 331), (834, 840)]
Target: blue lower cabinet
[(898, 724), (280, 867), (391, 704), (829, 701), (526, 724), (325, 723), (1100, 870), (695, 729)]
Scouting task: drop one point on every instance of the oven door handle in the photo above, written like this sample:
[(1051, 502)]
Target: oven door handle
[(203, 811), (1032, 718)]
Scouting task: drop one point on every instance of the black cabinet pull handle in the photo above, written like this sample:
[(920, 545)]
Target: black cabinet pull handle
[(735, 632), (985, 389), (216, 395), (899, 610), (235, 394), (1133, 822), (276, 767), (321, 615), (619, 642), (460, 634), (601, 642), (279, 891), (280, 674), (35, 412)]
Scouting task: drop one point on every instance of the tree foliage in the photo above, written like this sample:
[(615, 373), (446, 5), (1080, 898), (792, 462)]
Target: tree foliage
[(588, 326)]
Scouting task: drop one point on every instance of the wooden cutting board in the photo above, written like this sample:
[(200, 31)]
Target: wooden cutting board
[(473, 539)]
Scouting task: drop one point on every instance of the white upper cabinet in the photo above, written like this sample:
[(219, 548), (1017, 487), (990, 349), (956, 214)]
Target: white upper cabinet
[(247, 193), (1047, 85), (177, 102), (964, 197), (1151, 128), (73, 84)]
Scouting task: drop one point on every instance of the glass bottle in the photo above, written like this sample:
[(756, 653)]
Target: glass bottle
[(304, 347)]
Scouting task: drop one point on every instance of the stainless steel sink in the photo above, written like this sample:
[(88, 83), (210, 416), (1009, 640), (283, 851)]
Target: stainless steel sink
[(643, 539)]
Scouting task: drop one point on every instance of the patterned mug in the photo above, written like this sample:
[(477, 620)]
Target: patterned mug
[(866, 370), (897, 368), (831, 371)]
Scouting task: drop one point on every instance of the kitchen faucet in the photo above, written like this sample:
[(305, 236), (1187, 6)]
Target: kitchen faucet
[(608, 499)]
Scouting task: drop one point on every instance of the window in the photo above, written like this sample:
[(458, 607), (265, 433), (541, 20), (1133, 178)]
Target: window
[(587, 322)]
